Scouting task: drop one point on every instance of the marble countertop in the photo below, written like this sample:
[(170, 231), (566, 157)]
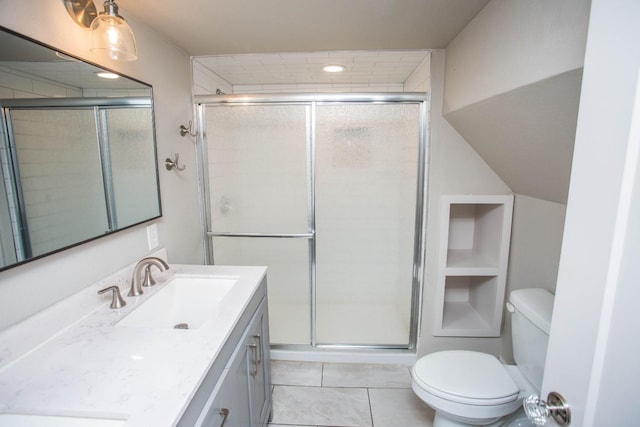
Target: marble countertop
[(146, 376)]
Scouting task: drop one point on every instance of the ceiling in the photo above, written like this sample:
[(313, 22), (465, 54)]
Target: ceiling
[(213, 27), (263, 42)]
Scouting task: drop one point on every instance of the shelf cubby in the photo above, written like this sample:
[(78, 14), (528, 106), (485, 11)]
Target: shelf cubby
[(474, 252)]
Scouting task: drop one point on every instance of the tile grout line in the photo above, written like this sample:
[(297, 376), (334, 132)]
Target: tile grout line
[(367, 388), (370, 407)]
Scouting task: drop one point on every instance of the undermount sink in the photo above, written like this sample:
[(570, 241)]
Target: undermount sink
[(31, 420), (186, 302)]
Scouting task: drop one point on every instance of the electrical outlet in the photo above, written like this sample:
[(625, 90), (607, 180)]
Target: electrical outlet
[(152, 236)]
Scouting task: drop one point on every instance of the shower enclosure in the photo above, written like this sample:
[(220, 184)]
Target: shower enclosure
[(327, 191)]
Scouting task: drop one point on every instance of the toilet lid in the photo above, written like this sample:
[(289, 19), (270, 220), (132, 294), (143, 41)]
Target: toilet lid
[(465, 376)]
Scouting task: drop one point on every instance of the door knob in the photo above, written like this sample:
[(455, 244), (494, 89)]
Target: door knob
[(538, 411)]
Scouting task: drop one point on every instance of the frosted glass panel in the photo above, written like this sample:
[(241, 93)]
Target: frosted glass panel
[(366, 178), (365, 187), (257, 168), (287, 280), (133, 157), (64, 197)]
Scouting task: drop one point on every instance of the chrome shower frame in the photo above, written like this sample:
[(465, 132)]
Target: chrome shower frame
[(313, 100)]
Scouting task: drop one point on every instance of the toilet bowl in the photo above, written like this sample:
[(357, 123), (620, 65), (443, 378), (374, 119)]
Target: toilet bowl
[(467, 388)]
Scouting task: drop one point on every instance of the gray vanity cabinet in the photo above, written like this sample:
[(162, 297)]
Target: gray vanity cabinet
[(236, 391)]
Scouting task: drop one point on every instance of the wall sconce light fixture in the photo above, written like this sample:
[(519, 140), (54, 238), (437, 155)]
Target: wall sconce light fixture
[(111, 36)]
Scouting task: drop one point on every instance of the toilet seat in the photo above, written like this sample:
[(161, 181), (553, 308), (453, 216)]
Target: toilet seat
[(465, 377)]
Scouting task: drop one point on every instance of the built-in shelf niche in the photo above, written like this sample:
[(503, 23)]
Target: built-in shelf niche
[(474, 252)]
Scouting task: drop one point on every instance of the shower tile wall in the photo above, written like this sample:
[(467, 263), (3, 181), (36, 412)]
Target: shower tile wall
[(420, 78), (28, 88), (45, 185), (206, 82), (370, 71), (311, 88)]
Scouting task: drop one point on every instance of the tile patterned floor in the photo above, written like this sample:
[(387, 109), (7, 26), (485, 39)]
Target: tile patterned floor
[(307, 394)]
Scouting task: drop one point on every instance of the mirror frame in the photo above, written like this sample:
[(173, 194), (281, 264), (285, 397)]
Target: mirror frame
[(155, 153)]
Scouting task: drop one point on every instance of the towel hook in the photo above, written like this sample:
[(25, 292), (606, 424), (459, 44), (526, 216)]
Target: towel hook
[(186, 130), (173, 164)]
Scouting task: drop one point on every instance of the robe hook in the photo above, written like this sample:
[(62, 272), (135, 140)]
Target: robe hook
[(173, 164), (186, 130)]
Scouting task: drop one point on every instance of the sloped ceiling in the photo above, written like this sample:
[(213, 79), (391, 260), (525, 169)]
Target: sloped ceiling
[(526, 135)]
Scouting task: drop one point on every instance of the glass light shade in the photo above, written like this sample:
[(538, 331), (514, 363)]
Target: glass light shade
[(112, 37)]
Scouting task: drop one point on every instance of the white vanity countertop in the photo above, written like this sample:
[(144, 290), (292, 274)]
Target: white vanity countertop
[(144, 375)]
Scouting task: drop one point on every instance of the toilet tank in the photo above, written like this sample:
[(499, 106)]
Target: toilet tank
[(530, 322)]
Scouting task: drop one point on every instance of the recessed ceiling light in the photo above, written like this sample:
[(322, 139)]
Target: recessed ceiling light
[(334, 68), (107, 75)]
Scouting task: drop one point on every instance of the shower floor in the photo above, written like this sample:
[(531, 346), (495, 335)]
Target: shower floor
[(374, 324)]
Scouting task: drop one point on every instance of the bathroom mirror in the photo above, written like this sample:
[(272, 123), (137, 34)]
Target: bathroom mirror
[(77, 151)]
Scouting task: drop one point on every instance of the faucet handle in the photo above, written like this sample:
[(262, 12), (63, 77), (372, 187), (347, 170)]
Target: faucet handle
[(116, 298), (148, 278)]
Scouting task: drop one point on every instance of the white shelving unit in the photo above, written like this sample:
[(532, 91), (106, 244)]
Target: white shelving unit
[(474, 252)]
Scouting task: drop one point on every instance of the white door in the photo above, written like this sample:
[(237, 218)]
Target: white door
[(592, 358)]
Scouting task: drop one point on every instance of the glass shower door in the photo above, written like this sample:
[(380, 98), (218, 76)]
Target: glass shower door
[(328, 194), (366, 185), (259, 204)]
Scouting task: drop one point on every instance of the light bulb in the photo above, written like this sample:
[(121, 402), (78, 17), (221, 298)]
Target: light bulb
[(111, 36)]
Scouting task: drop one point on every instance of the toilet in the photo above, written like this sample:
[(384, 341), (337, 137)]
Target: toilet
[(473, 388)]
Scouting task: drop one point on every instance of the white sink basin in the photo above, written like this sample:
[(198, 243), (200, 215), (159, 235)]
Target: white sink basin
[(186, 302), (28, 420)]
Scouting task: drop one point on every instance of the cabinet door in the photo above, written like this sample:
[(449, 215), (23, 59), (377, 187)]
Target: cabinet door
[(239, 371), (218, 409), (259, 368), (242, 396)]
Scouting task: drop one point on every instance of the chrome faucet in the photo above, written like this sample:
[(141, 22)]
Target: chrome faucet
[(146, 263)]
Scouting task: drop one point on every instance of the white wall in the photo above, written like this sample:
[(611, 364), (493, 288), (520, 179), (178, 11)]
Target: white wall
[(454, 168), (29, 288), (512, 43), (512, 90), (536, 239)]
